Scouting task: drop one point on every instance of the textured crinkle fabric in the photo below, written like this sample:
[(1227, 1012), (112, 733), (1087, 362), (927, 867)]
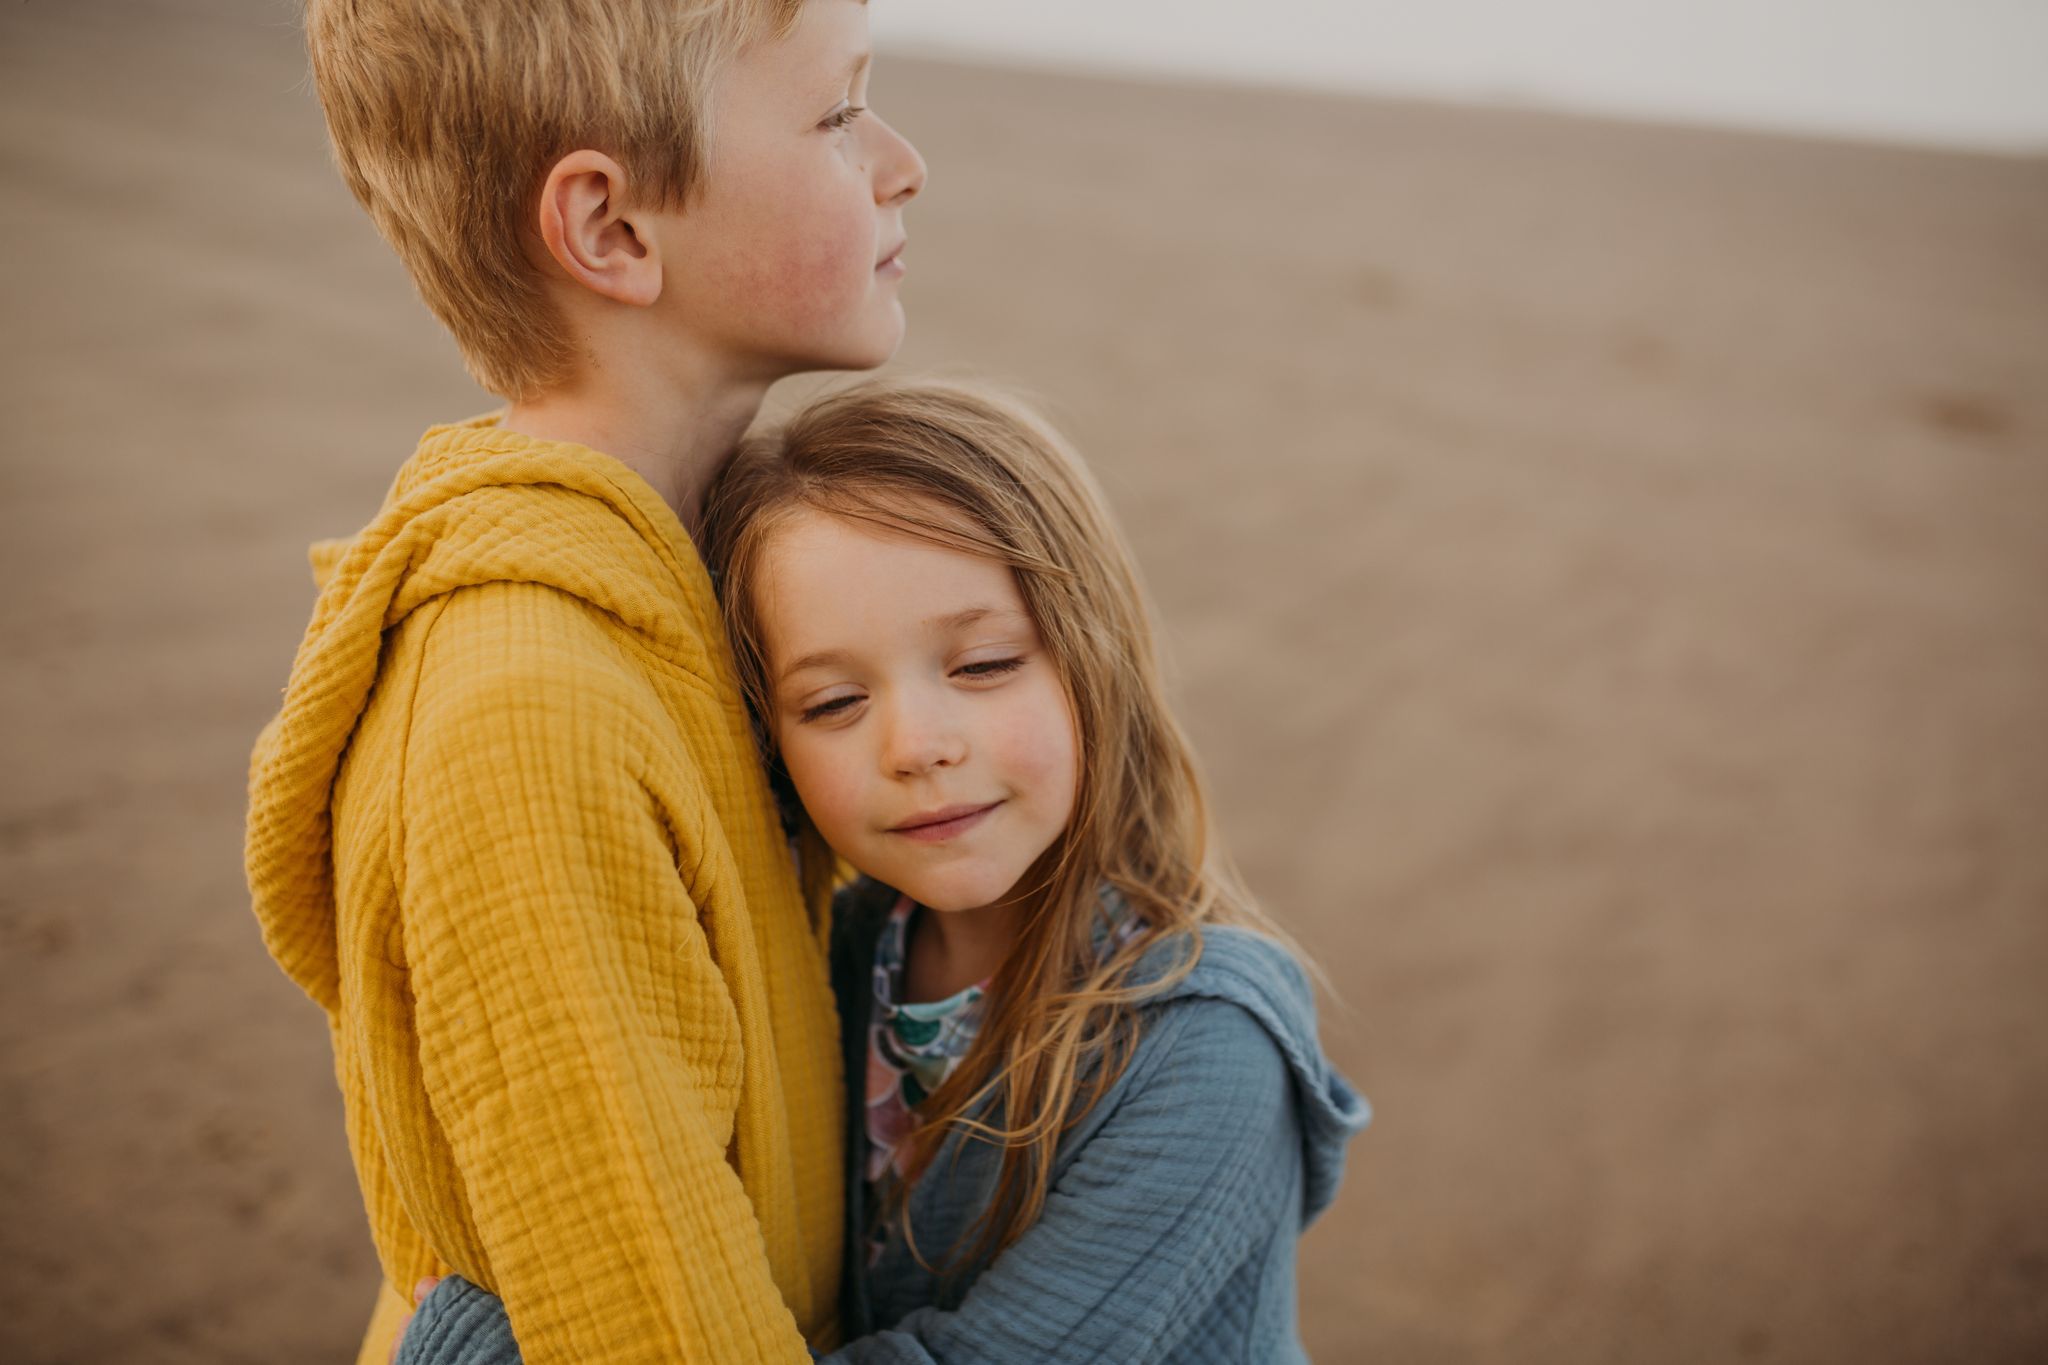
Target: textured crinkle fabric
[(510, 832), (1171, 1230), (1177, 1205)]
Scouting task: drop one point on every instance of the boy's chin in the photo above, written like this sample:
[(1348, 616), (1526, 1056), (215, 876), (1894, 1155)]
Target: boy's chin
[(868, 352)]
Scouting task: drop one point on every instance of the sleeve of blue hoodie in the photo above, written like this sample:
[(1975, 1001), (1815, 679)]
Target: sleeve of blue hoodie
[(1227, 1128)]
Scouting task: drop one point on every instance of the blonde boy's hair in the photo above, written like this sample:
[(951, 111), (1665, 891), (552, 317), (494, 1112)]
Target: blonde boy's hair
[(447, 114)]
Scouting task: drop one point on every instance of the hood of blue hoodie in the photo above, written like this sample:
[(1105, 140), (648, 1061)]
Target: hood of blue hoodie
[(1260, 976)]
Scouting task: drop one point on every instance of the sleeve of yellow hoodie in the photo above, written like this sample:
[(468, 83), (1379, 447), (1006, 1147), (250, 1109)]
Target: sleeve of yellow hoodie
[(545, 926)]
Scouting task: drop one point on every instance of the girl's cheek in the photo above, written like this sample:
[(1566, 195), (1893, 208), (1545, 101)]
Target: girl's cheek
[(831, 795), (808, 775), (1043, 747)]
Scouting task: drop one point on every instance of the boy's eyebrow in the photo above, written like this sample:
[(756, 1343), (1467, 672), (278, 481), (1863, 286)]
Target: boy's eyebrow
[(846, 78)]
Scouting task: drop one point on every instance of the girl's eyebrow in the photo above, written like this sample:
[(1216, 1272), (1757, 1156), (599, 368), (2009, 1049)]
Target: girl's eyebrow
[(959, 620), (823, 658)]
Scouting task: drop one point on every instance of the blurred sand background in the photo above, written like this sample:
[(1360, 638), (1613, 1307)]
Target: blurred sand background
[(1607, 573)]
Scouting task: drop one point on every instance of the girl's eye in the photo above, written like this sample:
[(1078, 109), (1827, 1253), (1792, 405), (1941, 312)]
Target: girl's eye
[(831, 706), (991, 668), (846, 116)]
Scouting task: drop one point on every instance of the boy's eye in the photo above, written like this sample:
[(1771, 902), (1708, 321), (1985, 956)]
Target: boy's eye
[(846, 116), (991, 668)]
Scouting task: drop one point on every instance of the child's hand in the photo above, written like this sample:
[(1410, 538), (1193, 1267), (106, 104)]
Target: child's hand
[(419, 1295)]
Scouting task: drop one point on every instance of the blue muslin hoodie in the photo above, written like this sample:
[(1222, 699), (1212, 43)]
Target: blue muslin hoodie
[(1170, 1228)]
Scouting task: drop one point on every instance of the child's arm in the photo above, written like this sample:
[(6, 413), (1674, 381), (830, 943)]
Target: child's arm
[(1200, 1162), (587, 1144)]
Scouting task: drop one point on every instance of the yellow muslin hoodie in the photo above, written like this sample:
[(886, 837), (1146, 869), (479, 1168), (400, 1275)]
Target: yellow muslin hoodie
[(510, 831)]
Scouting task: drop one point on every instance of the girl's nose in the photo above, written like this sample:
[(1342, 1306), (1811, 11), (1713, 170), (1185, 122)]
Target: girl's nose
[(920, 739)]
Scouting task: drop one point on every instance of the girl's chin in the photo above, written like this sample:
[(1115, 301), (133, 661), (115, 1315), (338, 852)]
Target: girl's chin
[(952, 898), (945, 903)]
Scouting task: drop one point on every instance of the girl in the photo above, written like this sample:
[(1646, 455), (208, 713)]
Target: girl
[(1089, 1117)]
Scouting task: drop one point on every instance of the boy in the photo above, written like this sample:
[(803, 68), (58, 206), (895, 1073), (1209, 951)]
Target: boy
[(509, 828)]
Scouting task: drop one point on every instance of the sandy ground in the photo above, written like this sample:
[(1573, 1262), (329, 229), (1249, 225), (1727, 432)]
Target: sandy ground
[(1607, 573)]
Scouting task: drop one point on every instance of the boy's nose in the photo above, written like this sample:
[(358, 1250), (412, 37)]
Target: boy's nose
[(899, 170)]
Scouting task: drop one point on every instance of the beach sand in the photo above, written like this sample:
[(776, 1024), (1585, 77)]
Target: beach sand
[(1605, 569)]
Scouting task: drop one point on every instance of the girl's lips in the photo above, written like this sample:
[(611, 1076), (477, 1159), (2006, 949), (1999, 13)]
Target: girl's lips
[(947, 824)]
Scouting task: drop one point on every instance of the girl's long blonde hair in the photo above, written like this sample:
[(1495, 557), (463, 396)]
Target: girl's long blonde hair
[(971, 471)]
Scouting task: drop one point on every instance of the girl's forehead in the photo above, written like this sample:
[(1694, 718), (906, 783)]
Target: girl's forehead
[(810, 536), (891, 514), (826, 574)]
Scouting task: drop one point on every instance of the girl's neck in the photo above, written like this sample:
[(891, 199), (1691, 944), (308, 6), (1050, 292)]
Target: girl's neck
[(950, 950)]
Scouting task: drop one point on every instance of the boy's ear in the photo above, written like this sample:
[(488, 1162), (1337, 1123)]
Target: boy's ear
[(603, 246)]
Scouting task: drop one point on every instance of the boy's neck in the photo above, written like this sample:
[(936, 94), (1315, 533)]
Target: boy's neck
[(675, 435)]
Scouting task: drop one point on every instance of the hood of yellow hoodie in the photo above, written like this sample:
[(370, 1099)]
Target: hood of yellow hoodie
[(474, 505)]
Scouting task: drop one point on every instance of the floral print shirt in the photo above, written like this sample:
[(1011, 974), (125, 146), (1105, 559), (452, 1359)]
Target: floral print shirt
[(912, 1047)]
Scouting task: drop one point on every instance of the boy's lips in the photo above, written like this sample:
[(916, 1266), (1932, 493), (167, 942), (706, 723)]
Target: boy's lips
[(892, 260), (937, 826)]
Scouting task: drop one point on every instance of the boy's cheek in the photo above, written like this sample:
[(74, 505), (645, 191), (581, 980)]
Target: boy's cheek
[(822, 280), (808, 273)]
